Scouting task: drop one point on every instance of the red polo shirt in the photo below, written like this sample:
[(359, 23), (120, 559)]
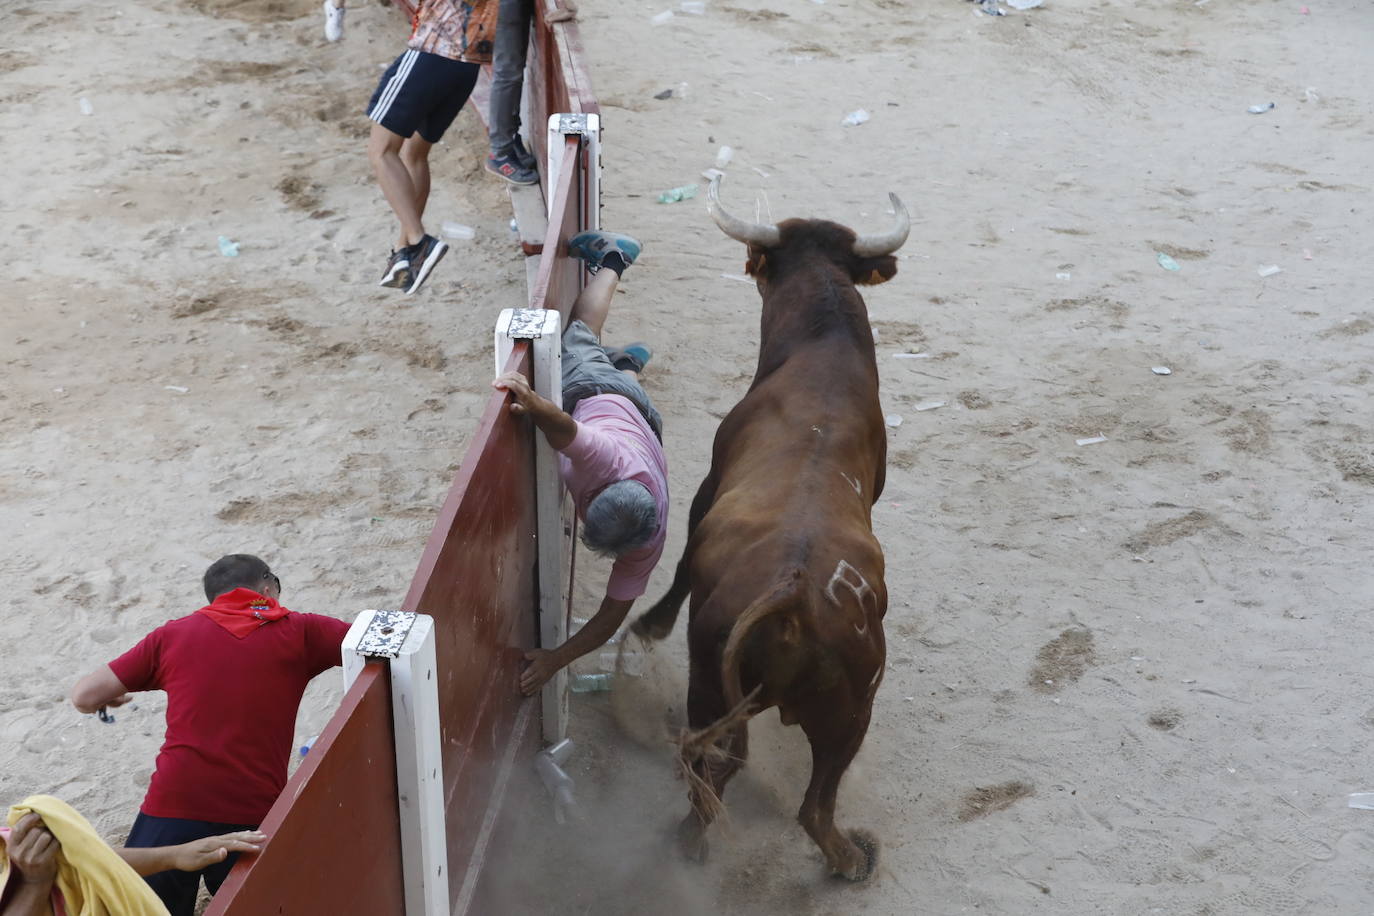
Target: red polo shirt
[(231, 710)]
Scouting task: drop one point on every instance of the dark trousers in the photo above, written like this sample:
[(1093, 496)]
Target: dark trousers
[(178, 889), (508, 72)]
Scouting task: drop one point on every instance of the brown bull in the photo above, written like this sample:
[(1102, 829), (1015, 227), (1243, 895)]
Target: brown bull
[(785, 575)]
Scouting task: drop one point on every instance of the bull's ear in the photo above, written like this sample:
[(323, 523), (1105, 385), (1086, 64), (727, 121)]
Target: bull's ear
[(872, 271), (757, 262)]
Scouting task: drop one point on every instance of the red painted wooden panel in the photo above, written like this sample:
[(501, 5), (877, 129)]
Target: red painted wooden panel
[(477, 579), (336, 820)]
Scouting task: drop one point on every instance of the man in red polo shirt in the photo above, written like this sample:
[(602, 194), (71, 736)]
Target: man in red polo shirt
[(234, 673)]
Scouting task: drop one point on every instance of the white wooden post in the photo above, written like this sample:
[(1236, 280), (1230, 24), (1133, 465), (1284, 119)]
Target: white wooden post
[(406, 641), (542, 327), (588, 127)]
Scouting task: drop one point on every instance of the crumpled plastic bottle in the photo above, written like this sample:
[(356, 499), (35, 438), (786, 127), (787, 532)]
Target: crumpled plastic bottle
[(684, 192)]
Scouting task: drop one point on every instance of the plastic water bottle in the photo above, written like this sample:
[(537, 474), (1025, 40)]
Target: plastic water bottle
[(684, 192), (591, 683), (561, 751), (559, 783), (626, 660), (309, 743), (458, 231)]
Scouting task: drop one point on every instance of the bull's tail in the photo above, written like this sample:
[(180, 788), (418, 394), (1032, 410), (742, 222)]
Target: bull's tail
[(779, 598), (657, 622), (704, 744)]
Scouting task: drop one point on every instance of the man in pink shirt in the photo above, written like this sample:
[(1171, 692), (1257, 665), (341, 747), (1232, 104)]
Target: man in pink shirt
[(610, 439)]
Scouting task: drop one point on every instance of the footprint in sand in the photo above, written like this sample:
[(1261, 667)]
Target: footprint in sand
[(1166, 532), (1062, 660)]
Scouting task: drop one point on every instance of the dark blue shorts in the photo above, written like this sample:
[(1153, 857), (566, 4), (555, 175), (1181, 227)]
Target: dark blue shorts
[(422, 93), (178, 889)]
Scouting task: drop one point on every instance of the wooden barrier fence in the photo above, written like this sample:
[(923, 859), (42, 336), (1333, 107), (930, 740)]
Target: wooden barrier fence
[(334, 835)]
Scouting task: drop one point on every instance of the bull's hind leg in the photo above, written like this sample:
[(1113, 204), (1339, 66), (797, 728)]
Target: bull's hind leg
[(835, 739), (707, 767)]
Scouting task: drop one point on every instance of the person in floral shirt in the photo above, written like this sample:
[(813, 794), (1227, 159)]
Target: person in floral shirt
[(415, 102)]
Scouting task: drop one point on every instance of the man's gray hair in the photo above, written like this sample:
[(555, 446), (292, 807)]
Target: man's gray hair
[(622, 517)]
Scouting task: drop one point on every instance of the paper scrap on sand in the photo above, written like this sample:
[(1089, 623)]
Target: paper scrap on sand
[(1092, 440)]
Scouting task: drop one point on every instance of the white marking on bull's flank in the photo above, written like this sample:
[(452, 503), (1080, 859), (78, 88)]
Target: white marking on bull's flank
[(846, 575), (853, 482)]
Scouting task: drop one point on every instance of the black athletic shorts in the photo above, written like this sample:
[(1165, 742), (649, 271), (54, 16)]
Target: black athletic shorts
[(422, 93)]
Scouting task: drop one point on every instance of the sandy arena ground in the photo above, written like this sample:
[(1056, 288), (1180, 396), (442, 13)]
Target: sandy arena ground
[(1124, 677)]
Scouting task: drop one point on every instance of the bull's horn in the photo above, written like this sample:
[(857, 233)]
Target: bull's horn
[(872, 246), (738, 229)]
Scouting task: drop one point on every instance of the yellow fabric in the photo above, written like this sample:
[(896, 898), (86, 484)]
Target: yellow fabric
[(92, 877)]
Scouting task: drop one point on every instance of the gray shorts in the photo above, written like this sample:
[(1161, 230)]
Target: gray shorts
[(587, 372)]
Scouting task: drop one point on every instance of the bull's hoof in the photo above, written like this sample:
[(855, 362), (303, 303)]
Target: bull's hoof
[(691, 840), (650, 630), (867, 861)]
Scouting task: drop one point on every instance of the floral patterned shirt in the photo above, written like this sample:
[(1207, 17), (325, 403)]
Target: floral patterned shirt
[(457, 29)]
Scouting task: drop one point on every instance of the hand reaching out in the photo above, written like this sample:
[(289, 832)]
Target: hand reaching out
[(198, 854), (541, 667)]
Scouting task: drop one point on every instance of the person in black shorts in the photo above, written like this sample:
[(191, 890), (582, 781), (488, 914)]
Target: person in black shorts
[(417, 99)]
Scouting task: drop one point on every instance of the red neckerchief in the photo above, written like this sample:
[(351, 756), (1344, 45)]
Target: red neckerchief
[(242, 611)]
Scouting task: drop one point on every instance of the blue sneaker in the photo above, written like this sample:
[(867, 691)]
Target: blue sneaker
[(633, 356), (593, 247)]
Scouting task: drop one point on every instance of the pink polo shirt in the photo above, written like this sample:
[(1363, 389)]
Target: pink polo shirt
[(614, 442)]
